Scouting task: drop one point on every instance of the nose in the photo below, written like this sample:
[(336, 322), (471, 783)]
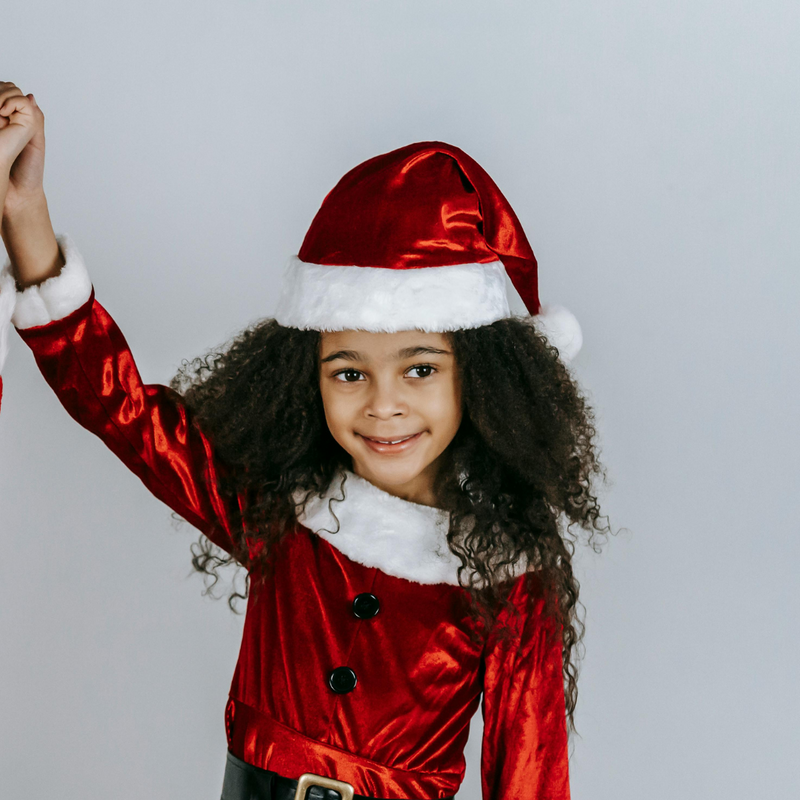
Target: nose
[(385, 402)]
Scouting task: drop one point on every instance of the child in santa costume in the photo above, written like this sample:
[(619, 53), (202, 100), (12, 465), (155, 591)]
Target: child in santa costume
[(393, 458)]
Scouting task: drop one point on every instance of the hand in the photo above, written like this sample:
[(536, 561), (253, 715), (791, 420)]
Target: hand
[(21, 146)]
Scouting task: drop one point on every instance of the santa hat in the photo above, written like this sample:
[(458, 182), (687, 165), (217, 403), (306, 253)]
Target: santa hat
[(418, 238)]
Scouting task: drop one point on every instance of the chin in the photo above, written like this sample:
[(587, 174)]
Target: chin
[(393, 472)]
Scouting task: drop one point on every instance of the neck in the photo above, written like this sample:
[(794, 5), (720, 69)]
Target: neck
[(417, 490)]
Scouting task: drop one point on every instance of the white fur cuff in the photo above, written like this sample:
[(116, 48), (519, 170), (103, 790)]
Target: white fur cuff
[(57, 297)]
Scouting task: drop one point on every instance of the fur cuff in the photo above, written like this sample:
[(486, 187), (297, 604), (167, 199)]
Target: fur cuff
[(58, 296)]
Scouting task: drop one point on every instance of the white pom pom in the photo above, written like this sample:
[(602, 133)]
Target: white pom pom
[(561, 329)]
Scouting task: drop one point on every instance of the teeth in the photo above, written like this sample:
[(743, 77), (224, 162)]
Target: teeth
[(396, 441)]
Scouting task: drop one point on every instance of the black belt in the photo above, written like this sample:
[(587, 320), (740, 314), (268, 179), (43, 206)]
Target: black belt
[(245, 782)]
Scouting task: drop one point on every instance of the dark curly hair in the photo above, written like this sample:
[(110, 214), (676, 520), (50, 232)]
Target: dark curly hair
[(516, 478)]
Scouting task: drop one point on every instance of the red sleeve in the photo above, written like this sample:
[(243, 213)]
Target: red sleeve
[(524, 752), (87, 362)]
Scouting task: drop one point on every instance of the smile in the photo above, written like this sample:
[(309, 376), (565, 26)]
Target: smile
[(398, 444), (390, 441)]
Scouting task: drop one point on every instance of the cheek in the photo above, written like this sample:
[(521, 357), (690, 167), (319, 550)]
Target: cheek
[(337, 413), (445, 409)]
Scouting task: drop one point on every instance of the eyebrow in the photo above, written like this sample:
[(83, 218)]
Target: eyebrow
[(406, 352)]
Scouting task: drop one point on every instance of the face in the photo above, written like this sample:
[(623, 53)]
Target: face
[(393, 402)]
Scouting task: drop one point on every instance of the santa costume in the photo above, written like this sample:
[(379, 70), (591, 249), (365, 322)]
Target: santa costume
[(356, 670)]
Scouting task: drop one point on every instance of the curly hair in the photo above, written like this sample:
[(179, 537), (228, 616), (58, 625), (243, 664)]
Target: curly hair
[(516, 478)]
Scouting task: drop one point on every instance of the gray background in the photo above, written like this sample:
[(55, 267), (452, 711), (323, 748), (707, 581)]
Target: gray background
[(650, 150)]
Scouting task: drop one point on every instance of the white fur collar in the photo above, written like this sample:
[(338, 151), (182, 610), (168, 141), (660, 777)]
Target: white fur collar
[(377, 529)]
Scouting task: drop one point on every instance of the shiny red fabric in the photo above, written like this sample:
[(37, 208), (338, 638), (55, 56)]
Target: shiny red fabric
[(400, 733), (424, 205)]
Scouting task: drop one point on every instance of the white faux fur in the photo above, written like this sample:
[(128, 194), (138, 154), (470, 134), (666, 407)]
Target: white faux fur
[(8, 296), (377, 529), (58, 296), (561, 329), (330, 298)]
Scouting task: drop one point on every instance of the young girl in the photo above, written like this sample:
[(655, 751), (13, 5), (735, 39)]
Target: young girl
[(394, 459)]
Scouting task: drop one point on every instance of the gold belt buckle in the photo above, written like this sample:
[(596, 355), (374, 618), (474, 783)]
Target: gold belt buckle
[(309, 779)]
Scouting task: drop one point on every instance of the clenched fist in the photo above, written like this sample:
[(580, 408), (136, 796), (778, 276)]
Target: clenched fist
[(21, 145)]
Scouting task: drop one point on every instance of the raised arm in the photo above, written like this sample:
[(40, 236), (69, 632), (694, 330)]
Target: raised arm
[(26, 228), (524, 754), (80, 350), (84, 357)]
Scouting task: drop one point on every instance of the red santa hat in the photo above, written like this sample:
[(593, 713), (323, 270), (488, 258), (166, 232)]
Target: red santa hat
[(418, 238)]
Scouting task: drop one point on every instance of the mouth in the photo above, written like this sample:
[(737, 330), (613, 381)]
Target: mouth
[(396, 444)]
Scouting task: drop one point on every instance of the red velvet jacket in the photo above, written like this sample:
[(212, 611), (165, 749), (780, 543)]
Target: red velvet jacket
[(376, 603)]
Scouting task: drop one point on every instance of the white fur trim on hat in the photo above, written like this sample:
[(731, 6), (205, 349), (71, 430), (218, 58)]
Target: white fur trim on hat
[(378, 529), (58, 296), (8, 296), (331, 298), (561, 329)]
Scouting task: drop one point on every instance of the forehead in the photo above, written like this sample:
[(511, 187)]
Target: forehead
[(378, 346)]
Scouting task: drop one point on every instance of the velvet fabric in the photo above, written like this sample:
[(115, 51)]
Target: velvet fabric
[(427, 204), (401, 731)]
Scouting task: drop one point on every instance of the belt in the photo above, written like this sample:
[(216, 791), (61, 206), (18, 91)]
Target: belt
[(243, 781)]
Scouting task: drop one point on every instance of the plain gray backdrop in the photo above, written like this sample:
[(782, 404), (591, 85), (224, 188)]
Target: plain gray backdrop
[(651, 153)]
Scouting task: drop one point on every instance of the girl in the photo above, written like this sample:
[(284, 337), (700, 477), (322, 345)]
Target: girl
[(394, 459)]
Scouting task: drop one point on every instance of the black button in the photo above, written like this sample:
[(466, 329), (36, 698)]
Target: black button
[(366, 605), (342, 680)]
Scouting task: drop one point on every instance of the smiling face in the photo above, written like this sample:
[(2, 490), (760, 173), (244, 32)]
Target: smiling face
[(393, 402)]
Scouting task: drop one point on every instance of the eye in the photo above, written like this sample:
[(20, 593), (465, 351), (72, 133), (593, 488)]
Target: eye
[(348, 373), (426, 369)]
